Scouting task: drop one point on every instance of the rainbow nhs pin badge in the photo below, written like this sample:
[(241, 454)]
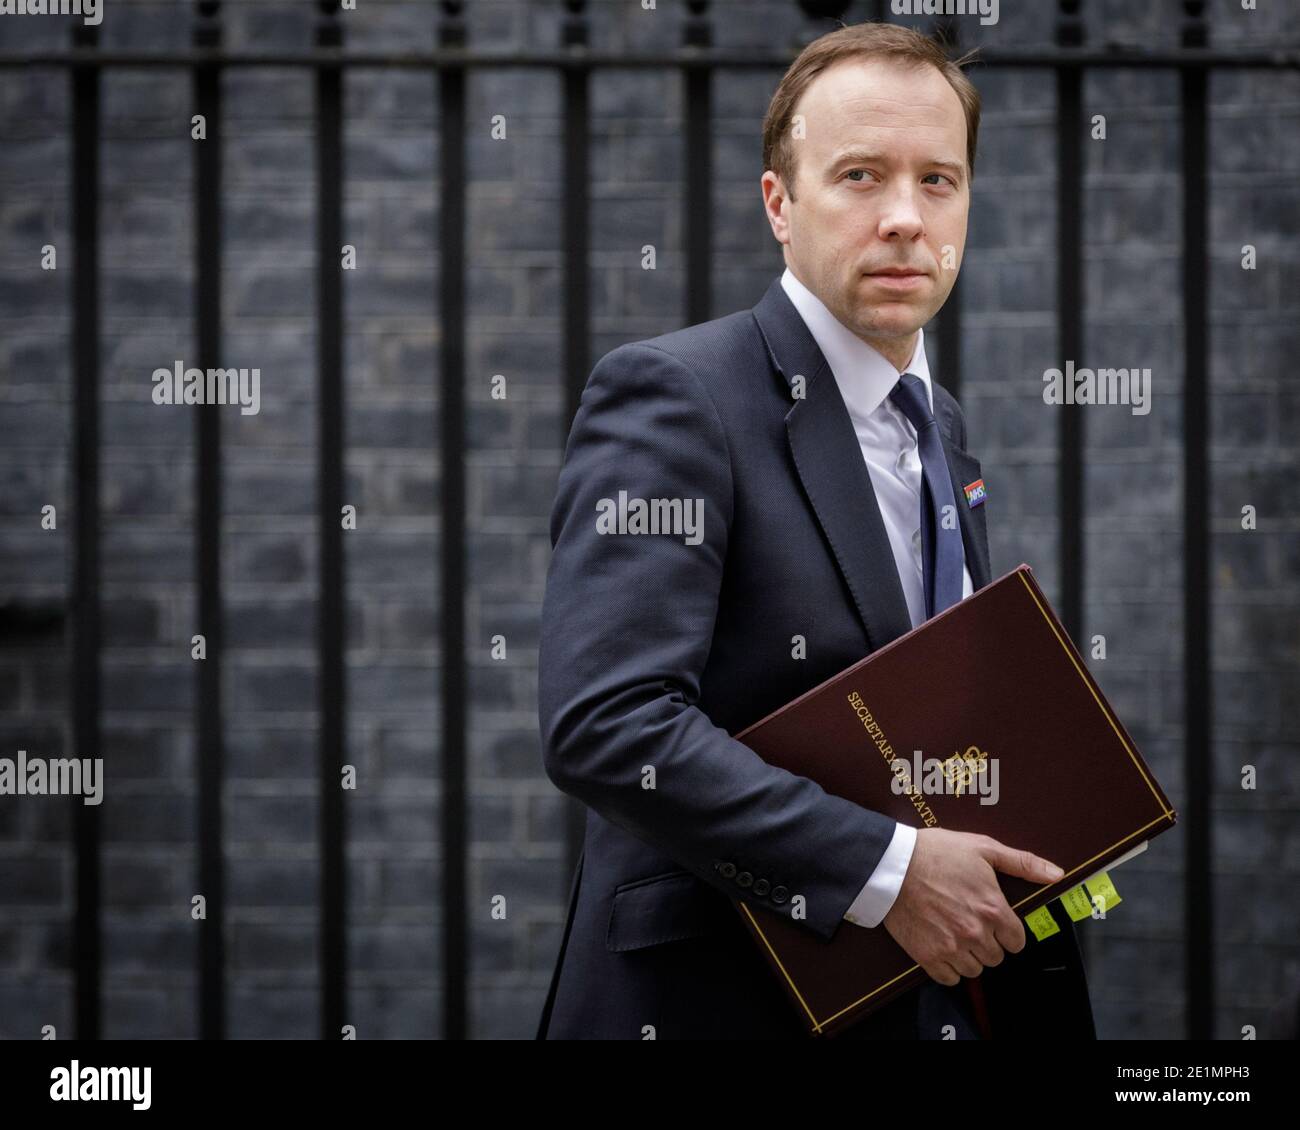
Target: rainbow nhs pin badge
[(975, 493)]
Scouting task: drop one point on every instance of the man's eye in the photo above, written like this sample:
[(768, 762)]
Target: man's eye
[(851, 172), (941, 176)]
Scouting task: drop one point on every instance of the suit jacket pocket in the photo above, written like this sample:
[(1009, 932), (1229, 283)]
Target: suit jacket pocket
[(663, 908)]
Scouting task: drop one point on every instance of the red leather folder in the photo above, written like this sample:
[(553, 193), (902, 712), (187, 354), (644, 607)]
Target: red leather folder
[(994, 676)]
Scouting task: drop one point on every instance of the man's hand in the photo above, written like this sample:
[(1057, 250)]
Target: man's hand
[(950, 914)]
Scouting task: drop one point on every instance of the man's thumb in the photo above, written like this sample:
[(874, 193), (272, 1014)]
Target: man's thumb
[(1024, 864)]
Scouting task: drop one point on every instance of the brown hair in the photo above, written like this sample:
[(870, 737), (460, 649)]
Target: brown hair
[(860, 41)]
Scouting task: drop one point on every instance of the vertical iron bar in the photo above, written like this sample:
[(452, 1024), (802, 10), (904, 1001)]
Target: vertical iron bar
[(207, 257), (947, 32), (1069, 316), (577, 324), (697, 202), (85, 478), (329, 178), (451, 191)]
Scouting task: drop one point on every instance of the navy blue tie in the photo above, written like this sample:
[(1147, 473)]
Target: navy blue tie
[(942, 557)]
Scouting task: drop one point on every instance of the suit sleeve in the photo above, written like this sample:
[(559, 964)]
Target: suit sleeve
[(627, 624)]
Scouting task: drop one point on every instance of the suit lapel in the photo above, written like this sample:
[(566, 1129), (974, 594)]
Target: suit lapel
[(834, 476), (965, 469), (835, 479)]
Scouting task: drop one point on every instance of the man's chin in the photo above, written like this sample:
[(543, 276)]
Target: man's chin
[(889, 319)]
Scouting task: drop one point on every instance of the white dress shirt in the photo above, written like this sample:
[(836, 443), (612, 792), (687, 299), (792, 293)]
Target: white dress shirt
[(888, 443)]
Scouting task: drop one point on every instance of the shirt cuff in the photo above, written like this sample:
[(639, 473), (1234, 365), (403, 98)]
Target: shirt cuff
[(876, 898)]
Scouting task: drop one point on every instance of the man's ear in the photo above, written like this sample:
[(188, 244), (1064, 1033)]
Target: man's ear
[(776, 191)]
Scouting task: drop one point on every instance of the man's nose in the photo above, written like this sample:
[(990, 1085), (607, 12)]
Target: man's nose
[(900, 216)]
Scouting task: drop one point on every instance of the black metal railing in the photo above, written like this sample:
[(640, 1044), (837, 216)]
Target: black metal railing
[(697, 61)]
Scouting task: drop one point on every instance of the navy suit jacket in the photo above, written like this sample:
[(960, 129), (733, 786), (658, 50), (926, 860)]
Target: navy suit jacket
[(654, 651)]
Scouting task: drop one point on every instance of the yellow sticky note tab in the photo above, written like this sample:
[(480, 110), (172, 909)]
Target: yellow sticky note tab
[(1042, 923), (1101, 886), (1077, 904)]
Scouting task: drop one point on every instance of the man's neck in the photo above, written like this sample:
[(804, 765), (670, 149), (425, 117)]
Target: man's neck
[(896, 351)]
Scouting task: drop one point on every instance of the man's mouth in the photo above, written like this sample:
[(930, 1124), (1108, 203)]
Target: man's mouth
[(897, 278)]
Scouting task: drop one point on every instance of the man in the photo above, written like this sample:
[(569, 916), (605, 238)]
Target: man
[(746, 507)]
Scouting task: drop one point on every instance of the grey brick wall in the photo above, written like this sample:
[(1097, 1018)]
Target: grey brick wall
[(1132, 490)]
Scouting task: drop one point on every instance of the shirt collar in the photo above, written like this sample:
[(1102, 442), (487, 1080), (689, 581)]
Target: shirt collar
[(863, 373)]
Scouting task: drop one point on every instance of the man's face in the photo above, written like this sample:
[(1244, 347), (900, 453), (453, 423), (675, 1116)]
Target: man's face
[(881, 186)]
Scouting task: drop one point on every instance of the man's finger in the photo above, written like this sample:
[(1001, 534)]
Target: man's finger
[(1010, 932), (1023, 864)]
